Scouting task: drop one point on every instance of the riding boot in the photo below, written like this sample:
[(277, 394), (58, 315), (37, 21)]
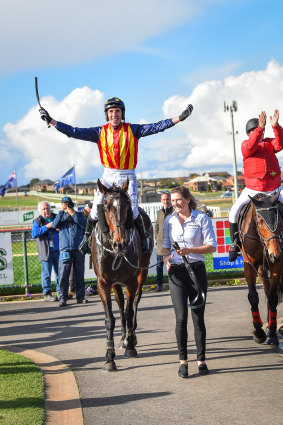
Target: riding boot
[(234, 248), (140, 227), (84, 245)]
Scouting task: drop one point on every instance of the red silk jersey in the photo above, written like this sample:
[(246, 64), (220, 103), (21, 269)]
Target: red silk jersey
[(261, 167)]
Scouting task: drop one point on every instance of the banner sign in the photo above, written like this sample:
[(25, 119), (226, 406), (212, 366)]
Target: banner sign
[(6, 259), (220, 257), (28, 216)]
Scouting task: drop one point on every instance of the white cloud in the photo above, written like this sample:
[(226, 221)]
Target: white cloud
[(62, 32), (48, 153), (199, 143), (208, 144)]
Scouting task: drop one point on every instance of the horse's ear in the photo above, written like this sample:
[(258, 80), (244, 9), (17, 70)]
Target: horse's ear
[(274, 198), (125, 185), (255, 201), (101, 187)]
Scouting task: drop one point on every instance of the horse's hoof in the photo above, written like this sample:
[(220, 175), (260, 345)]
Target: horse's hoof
[(272, 340), (131, 353), (122, 344), (259, 336), (110, 367)]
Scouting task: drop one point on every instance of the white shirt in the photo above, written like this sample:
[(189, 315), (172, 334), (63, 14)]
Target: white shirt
[(197, 230)]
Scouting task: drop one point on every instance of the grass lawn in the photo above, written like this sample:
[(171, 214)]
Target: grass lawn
[(26, 202), (21, 391)]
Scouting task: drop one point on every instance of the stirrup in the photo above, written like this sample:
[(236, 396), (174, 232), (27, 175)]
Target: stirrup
[(233, 252)]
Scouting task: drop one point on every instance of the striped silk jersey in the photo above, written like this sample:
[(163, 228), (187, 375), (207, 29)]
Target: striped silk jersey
[(118, 148)]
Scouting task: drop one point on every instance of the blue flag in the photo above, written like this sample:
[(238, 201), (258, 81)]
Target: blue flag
[(68, 178), (10, 183)]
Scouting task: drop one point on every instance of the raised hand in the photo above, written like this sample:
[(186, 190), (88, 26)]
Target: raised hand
[(44, 115), (262, 119), (186, 113), (275, 118)]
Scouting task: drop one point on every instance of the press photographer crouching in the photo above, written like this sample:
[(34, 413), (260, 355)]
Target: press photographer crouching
[(71, 225)]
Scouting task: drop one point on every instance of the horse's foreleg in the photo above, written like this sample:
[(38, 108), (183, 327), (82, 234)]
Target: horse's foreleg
[(130, 340), (104, 293), (272, 302), (259, 335), (119, 297), (141, 279)]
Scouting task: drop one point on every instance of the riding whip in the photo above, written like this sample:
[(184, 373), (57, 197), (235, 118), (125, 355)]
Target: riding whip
[(196, 285), (37, 96)]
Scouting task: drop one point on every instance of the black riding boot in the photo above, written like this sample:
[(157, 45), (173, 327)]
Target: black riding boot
[(234, 248), (84, 245), (140, 226)]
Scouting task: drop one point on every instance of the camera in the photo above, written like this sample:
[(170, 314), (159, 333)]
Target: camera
[(70, 204)]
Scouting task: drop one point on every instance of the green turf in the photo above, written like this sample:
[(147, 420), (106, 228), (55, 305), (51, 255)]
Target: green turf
[(21, 391), (29, 201)]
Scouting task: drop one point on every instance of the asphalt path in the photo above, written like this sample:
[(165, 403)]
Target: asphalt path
[(245, 381)]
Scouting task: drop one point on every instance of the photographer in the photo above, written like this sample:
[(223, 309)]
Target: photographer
[(71, 225), (47, 242)]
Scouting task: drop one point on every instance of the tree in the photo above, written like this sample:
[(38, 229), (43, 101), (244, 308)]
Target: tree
[(33, 181)]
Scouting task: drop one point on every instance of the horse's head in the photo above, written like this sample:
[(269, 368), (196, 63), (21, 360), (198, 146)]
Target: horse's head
[(116, 208), (268, 224)]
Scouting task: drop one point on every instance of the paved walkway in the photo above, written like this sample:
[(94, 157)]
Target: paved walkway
[(244, 385)]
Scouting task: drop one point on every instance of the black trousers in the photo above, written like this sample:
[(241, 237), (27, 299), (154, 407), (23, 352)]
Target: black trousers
[(181, 289)]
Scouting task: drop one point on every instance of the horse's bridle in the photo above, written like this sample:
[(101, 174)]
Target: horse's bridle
[(263, 240), (118, 224)]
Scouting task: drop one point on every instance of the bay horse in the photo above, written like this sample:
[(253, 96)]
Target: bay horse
[(119, 262), (261, 237)]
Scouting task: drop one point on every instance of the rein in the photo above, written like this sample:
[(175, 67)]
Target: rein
[(119, 256)]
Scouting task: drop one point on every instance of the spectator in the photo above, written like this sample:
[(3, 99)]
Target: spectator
[(205, 210), (87, 209), (47, 241), (72, 284), (167, 209), (71, 225)]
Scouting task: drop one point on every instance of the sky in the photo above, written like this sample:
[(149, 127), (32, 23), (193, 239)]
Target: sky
[(157, 56)]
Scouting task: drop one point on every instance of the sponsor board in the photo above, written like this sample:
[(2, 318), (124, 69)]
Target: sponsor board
[(220, 257), (6, 259)]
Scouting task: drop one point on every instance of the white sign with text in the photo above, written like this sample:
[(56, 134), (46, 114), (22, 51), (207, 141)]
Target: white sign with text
[(6, 259)]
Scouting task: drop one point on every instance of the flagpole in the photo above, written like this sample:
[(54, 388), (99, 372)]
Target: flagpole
[(17, 199)]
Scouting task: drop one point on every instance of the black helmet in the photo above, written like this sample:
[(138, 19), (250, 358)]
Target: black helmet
[(251, 125), (114, 102)]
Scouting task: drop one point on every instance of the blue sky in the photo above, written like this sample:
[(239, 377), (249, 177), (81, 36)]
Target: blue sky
[(158, 56)]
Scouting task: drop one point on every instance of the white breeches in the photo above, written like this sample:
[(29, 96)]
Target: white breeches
[(118, 177), (244, 199)]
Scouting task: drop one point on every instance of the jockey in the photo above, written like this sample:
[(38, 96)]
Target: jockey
[(117, 142), (261, 169)]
